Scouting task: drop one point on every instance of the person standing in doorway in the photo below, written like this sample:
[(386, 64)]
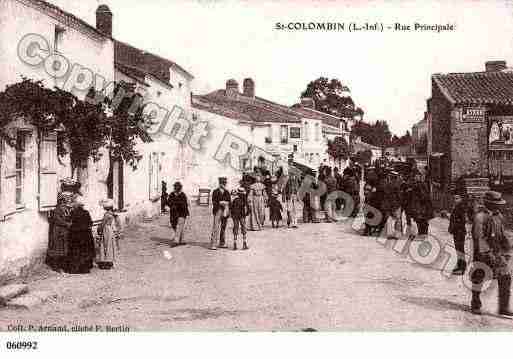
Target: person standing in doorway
[(178, 212), (220, 209)]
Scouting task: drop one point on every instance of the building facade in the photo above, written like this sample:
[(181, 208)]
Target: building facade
[(31, 170), (470, 127)]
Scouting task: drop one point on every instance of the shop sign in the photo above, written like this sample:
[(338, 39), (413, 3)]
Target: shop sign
[(473, 114)]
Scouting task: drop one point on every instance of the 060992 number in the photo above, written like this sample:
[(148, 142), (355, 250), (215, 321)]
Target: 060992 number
[(21, 345)]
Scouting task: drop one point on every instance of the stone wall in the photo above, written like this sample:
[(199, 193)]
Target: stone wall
[(469, 148)]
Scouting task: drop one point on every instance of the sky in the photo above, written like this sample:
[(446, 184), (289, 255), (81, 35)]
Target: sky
[(388, 73)]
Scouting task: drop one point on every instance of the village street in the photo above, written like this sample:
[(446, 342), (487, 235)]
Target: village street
[(320, 276)]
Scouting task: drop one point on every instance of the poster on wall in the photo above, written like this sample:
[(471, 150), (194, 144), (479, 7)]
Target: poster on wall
[(501, 131)]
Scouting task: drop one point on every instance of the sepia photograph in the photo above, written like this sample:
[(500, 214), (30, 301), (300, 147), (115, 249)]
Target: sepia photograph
[(242, 166)]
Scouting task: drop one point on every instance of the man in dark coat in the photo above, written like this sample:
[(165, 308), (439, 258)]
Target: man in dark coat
[(457, 227), (178, 211), (220, 209), (492, 252)]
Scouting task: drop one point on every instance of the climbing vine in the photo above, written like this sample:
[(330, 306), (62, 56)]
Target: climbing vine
[(85, 126)]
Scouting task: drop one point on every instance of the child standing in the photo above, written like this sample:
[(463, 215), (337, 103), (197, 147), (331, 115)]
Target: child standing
[(239, 209), (275, 209), (109, 231)]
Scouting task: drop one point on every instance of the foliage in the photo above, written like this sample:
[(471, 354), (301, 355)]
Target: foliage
[(377, 134), (338, 148), (363, 157), (330, 98), (405, 140), (85, 126)]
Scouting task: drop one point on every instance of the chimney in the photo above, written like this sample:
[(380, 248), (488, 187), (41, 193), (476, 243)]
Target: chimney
[(308, 102), (232, 88), (249, 87), (104, 20), (494, 66)]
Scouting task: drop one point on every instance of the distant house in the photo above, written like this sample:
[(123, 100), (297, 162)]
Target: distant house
[(269, 129), (359, 146), (419, 133)]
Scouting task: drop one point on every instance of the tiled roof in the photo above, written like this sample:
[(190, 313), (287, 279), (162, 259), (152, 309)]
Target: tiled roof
[(326, 119), (477, 88), (256, 110), (153, 64), (199, 102), (132, 72)]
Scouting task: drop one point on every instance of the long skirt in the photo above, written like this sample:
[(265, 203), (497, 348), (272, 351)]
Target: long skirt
[(81, 252), (257, 216), (107, 248)]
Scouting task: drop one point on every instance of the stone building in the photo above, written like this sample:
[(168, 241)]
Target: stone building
[(470, 129)]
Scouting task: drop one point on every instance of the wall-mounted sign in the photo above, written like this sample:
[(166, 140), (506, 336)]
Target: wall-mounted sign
[(473, 114)]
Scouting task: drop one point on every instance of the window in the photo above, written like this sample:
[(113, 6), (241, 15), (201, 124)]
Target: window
[(154, 172), (306, 134), (295, 148), (269, 138), (295, 132), (21, 142), (317, 132), (284, 133), (58, 36)]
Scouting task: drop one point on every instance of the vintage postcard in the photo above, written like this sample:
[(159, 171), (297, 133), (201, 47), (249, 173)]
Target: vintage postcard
[(222, 165)]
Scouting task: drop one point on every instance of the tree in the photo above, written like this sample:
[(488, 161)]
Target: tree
[(364, 157), (329, 96), (86, 125), (377, 134), (338, 149)]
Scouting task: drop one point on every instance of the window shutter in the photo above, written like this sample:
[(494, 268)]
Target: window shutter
[(8, 179), (48, 182)]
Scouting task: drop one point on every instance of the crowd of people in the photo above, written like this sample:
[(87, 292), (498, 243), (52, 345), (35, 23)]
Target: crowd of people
[(72, 247)]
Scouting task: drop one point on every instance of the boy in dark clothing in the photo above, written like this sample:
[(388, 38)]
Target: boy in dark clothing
[(457, 229), (275, 209), (178, 211), (239, 209)]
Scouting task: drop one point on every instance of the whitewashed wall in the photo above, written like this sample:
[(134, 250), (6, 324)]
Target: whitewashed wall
[(24, 235)]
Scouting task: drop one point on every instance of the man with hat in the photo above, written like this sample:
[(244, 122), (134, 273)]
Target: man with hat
[(239, 209), (178, 211), (492, 252), (220, 209)]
